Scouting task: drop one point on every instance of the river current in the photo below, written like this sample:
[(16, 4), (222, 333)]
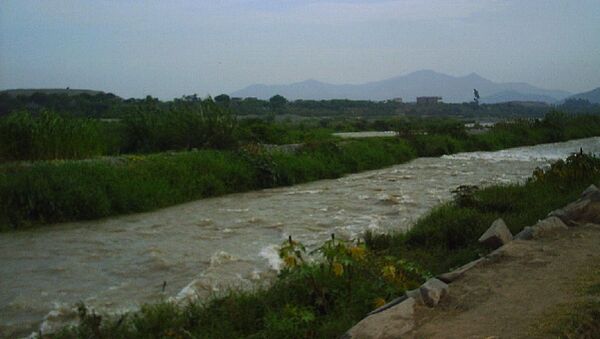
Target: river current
[(117, 263)]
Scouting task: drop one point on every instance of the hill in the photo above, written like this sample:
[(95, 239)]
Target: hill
[(592, 96), (30, 91), (409, 86)]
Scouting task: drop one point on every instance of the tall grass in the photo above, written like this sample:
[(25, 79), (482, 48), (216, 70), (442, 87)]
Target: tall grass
[(46, 192), (447, 236), (72, 190), (51, 136), (151, 128), (57, 191)]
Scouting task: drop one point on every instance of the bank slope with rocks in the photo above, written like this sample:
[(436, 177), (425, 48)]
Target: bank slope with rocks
[(505, 293)]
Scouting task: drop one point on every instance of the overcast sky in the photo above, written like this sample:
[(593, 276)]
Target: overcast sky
[(169, 48)]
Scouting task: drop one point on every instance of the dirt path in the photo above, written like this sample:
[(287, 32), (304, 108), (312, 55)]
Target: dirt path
[(506, 297)]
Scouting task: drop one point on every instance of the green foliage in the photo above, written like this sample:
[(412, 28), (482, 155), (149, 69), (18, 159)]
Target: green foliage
[(277, 103), (51, 136), (575, 168), (447, 236), (185, 125), (58, 191), (44, 192)]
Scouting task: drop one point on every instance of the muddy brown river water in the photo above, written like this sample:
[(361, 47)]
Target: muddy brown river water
[(115, 264)]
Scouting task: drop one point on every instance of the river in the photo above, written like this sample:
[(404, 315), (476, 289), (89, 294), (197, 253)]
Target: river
[(114, 264)]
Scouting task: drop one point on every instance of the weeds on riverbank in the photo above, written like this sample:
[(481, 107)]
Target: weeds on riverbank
[(447, 236), (323, 298), (51, 136), (56, 191)]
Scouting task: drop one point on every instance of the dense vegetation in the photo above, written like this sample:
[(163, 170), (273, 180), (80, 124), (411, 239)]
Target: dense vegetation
[(55, 191), (107, 105), (323, 298), (65, 190)]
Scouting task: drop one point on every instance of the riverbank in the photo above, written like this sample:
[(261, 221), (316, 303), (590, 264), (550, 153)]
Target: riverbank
[(542, 286), (324, 299), (47, 192)]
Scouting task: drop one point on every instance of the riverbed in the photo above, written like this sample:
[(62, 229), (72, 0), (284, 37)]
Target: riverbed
[(115, 264)]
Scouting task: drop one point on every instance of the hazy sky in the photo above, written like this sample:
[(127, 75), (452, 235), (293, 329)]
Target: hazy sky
[(168, 48)]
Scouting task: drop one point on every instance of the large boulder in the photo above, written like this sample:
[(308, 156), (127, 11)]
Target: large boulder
[(585, 210), (415, 294), (432, 291), (497, 235), (391, 323), (547, 226), (588, 191), (525, 234)]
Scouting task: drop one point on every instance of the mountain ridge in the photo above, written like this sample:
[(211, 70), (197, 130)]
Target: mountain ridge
[(592, 96), (408, 86)]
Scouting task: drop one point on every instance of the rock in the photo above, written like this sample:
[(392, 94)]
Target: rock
[(588, 191), (432, 291), (525, 234), (547, 226), (415, 294), (584, 210), (391, 323), (390, 304), (497, 235), (457, 273)]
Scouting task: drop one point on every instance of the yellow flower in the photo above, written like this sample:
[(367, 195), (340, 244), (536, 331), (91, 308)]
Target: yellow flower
[(357, 253), (290, 261), (338, 269), (378, 302), (389, 272)]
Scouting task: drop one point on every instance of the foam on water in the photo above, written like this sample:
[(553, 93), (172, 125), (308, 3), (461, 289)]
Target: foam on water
[(271, 254)]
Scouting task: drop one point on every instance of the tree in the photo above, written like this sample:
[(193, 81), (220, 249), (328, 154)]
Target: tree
[(223, 100), (277, 102)]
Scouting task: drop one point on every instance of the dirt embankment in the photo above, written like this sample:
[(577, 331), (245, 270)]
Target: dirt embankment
[(509, 295)]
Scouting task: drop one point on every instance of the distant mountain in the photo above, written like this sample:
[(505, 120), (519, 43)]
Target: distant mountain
[(592, 96), (508, 96), (30, 91), (408, 87)]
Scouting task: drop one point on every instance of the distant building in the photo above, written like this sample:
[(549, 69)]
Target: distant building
[(428, 100), (397, 100)]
